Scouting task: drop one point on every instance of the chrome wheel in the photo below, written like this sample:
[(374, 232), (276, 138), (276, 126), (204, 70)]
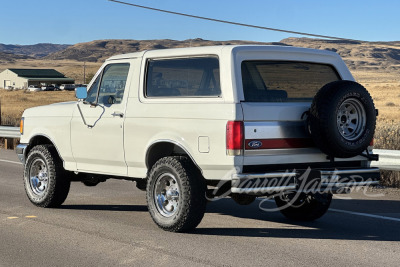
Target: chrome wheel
[(166, 194), (175, 194), (38, 177), (351, 119), (46, 182)]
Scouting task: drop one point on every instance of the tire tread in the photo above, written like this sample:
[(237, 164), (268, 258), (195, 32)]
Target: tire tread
[(193, 190), (60, 184)]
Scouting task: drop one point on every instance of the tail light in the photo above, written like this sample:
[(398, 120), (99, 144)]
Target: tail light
[(372, 142), (234, 138)]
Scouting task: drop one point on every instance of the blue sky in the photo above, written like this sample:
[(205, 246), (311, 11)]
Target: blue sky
[(74, 21)]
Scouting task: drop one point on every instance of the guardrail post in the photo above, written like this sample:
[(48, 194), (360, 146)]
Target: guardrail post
[(7, 143), (10, 143)]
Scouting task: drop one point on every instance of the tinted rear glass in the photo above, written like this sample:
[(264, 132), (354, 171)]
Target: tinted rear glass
[(277, 81), (183, 77)]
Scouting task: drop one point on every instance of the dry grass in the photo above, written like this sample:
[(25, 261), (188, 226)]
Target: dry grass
[(387, 101), (13, 103), (384, 89), (387, 134), (390, 178)]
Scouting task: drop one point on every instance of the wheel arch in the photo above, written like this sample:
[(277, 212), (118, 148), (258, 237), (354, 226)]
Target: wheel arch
[(164, 148), (41, 139)]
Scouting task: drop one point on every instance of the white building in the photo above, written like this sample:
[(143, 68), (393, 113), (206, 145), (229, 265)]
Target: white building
[(22, 78)]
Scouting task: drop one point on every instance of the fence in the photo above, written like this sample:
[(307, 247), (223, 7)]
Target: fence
[(388, 159), (9, 132)]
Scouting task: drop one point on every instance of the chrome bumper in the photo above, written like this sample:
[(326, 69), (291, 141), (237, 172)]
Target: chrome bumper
[(20, 150), (333, 181)]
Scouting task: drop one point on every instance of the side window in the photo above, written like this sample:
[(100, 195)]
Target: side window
[(112, 84), (183, 77), (109, 86), (92, 93)]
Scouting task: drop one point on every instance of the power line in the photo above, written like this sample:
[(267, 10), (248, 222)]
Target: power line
[(235, 23)]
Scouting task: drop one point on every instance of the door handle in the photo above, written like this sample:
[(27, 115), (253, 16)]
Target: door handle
[(117, 113)]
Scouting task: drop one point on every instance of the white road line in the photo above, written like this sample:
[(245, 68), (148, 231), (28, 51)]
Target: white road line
[(359, 214), (367, 215), (9, 161)]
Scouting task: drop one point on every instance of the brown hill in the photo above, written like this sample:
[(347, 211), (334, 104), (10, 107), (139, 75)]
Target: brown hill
[(99, 50), (360, 56), (357, 55), (6, 58), (36, 51), (376, 56)]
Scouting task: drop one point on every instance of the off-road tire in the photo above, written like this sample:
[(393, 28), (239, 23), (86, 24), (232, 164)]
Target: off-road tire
[(307, 207), (325, 114), (57, 184), (191, 204)]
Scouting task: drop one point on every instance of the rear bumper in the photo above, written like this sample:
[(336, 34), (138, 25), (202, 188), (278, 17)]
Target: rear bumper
[(332, 181)]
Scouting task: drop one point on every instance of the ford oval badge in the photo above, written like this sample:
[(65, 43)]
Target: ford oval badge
[(255, 144)]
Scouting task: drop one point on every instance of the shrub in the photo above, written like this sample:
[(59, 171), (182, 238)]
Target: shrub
[(387, 135), (390, 104), (390, 178)]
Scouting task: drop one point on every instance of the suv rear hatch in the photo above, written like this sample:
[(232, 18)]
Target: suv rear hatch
[(278, 95), (277, 142)]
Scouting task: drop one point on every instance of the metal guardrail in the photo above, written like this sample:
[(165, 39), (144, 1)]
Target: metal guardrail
[(9, 132), (388, 159)]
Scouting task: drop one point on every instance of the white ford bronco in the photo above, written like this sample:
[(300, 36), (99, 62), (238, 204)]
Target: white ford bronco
[(192, 124)]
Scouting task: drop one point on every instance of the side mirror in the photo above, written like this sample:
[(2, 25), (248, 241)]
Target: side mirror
[(81, 92)]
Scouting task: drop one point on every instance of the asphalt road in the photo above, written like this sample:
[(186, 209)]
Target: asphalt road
[(109, 225)]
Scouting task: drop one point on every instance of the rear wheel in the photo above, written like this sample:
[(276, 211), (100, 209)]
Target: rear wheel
[(303, 207), (176, 194), (46, 183)]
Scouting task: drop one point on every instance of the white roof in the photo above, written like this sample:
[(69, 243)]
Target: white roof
[(202, 50)]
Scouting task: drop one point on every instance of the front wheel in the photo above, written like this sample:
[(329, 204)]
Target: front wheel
[(176, 194), (46, 183), (303, 207)]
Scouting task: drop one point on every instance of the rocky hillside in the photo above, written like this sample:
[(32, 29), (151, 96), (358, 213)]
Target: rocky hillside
[(100, 50), (357, 55), (376, 56), (383, 56), (10, 57), (36, 51)]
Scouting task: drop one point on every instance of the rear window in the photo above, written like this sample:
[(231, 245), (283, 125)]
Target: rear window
[(183, 77), (277, 81)]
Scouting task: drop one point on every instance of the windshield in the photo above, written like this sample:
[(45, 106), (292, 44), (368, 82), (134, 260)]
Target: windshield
[(284, 81)]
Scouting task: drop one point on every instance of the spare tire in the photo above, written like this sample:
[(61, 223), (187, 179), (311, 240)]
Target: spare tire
[(342, 119)]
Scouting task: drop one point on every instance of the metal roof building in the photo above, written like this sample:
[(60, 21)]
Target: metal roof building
[(22, 78)]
